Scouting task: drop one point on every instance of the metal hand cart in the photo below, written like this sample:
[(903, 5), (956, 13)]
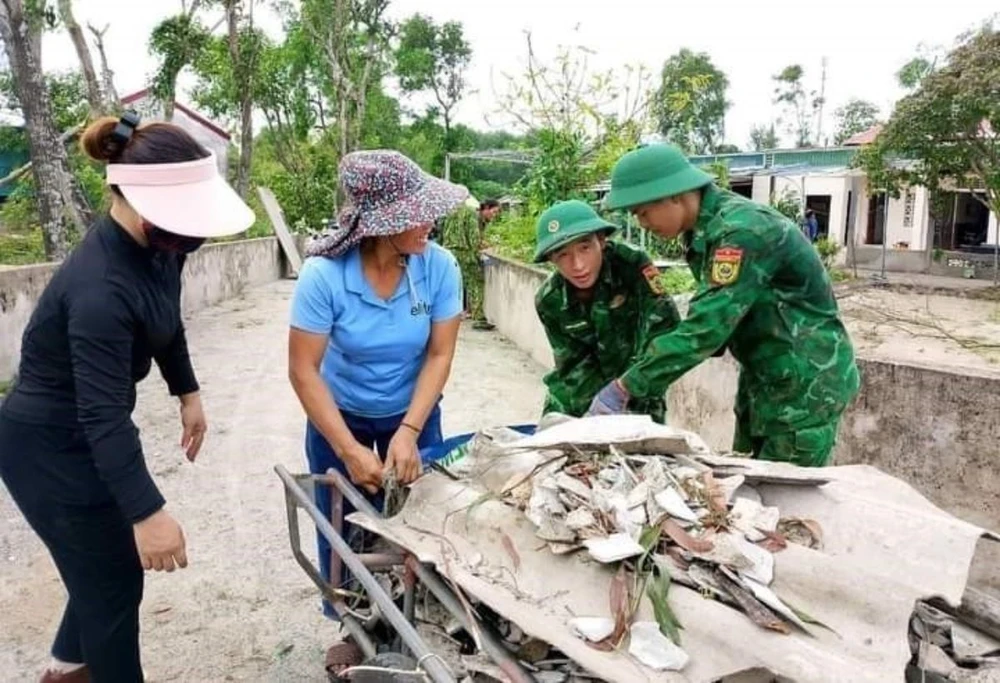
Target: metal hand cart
[(363, 567)]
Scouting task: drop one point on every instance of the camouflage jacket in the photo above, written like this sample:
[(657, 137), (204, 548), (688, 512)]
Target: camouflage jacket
[(764, 293), (593, 344)]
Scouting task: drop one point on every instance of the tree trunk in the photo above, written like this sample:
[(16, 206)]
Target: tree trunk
[(95, 98), (244, 73), (59, 212), (107, 75)]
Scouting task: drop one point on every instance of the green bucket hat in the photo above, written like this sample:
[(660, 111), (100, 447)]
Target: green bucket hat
[(564, 222), (651, 173)]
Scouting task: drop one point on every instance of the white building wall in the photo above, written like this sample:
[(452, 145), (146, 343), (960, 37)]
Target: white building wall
[(761, 192), (991, 230), (908, 219), (835, 187)]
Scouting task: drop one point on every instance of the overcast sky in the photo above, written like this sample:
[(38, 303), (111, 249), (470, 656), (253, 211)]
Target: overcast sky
[(864, 42)]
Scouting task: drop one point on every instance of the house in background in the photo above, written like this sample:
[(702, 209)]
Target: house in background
[(210, 134), (833, 189), (11, 158), (952, 233)]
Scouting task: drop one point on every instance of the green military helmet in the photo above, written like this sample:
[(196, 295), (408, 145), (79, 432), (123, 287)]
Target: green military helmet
[(564, 222), (651, 173)]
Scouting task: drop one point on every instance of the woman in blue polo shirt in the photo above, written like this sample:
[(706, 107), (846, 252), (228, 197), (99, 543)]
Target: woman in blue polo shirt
[(374, 323)]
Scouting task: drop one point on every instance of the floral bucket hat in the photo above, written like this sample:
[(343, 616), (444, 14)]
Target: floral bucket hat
[(387, 194)]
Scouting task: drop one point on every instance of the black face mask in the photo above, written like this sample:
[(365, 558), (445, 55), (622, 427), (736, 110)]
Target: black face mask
[(162, 240)]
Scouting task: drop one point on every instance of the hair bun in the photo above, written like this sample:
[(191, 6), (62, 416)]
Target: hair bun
[(99, 141)]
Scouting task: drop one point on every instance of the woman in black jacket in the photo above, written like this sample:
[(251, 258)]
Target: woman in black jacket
[(69, 453)]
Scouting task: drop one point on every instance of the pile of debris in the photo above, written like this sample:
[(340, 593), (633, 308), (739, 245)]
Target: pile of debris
[(664, 519), (949, 645)]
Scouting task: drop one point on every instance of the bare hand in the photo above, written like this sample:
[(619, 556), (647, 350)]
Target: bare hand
[(160, 542), (364, 467), (404, 456), (193, 424)]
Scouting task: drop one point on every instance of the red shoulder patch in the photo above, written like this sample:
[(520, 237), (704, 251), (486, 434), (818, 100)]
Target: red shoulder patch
[(726, 265), (652, 275)]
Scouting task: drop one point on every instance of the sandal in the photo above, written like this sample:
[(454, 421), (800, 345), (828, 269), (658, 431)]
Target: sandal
[(341, 657)]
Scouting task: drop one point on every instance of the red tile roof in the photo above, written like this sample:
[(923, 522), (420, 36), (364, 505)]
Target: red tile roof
[(865, 138)]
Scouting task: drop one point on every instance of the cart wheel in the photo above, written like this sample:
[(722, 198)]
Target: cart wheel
[(341, 657)]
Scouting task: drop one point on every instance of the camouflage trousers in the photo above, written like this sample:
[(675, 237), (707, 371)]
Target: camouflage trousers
[(808, 446)]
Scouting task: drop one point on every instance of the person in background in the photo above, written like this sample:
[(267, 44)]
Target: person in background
[(599, 309), (70, 454), (374, 324), (489, 209), (763, 293), (811, 225)]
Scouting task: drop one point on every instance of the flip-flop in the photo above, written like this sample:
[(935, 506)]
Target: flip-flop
[(341, 657)]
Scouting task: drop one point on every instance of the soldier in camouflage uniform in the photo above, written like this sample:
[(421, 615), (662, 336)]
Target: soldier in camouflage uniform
[(599, 309), (762, 292)]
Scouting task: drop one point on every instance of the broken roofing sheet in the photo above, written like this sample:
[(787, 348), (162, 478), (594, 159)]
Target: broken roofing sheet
[(641, 557)]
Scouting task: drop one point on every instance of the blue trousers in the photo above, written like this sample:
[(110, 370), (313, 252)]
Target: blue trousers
[(374, 433)]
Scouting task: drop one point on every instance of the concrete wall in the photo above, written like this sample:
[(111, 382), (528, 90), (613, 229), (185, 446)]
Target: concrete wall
[(936, 430), (509, 303), (214, 273)]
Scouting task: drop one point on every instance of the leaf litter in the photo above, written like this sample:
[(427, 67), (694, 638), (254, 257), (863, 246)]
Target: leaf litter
[(664, 519)]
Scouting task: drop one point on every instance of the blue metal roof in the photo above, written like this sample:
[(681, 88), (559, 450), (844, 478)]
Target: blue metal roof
[(735, 162)]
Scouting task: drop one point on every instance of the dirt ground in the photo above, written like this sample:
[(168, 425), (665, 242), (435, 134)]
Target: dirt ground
[(947, 332), (243, 610)]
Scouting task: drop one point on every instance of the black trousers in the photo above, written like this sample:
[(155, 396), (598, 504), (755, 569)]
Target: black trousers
[(50, 475)]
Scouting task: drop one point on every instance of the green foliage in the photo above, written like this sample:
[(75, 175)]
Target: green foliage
[(855, 117), (221, 82), (677, 281), (559, 171), (67, 97), (946, 129), (19, 214), (177, 42), (913, 72), (21, 249), (460, 235), (434, 58), (763, 138), (720, 171), (513, 236), (690, 104), (305, 191), (789, 204), (828, 250), (798, 104)]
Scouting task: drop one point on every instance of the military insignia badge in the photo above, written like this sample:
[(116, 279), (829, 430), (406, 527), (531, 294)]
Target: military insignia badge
[(652, 275), (553, 226), (726, 265), (617, 302)]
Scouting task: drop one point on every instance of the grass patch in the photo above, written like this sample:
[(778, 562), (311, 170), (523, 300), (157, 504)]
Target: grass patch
[(21, 249), (677, 281)]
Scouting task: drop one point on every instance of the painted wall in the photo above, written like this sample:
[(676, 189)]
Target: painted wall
[(212, 274), (935, 429)]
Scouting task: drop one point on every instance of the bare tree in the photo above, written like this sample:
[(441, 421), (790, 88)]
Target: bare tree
[(95, 97), (107, 75), (243, 67), (354, 36), (60, 208)]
